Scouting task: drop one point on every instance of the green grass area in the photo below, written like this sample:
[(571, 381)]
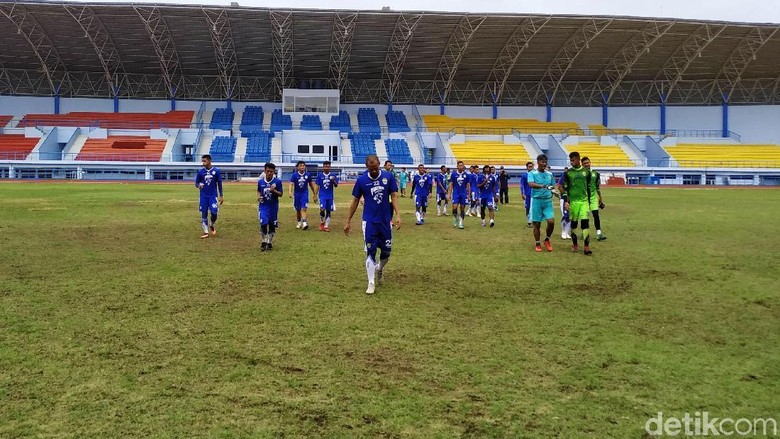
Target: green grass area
[(117, 321)]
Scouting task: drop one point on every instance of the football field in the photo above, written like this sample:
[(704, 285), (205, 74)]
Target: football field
[(117, 321)]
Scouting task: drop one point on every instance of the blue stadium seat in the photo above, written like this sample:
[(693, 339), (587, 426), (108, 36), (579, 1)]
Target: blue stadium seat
[(222, 119), (398, 152), (223, 149), (311, 122), (280, 121), (258, 148), (362, 146), (341, 122), (251, 121), (368, 122), (396, 122)]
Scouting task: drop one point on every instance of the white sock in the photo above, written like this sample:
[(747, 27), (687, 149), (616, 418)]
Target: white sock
[(327, 221), (271, 237), (205, 225), (370, 270), (265, 239), (417, 215), (598, 231)]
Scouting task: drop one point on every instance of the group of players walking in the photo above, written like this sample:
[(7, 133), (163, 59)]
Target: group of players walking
[(470, 193)]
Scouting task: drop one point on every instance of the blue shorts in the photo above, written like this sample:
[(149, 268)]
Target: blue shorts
[(268, 215), (441, 196), (301, 200), (458, 199), (487, 202), (378, 235), (541, 209), (421, 201), (327, 204), (208, 204)]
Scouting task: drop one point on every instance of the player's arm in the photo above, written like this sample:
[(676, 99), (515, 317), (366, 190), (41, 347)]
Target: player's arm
[(292, 186), (198, 181), (219, 186), (352, 208), (598, 190), (523, 184), (335, 181), (396, 214), (565, 191), (313, 190), (414, 185)]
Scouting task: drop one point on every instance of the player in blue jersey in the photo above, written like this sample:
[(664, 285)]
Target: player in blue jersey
[(495, 195), (460, 188), (422, 188), (525, 192), (486, 184), (209, 182), (326, 182), (379, 190), (269, 189), (474, 195), (542, 183), (300, 183), (442, 188)]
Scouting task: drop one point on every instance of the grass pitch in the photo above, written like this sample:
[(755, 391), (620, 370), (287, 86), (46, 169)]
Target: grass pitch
[(117, 321)]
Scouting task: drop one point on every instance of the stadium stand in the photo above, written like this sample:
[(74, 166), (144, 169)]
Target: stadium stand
[(497, 126), (398, 152), (601, 130), (222, 119), (725, 155), (341, 122), (396, 122), (122, 148), (362, 146), (280, 121), (16, 146), (490, 153), (4, 121), (223, 149), (601, 155), (251, 121), (130, 121), (311, 122), (368, 122), (258, 148)]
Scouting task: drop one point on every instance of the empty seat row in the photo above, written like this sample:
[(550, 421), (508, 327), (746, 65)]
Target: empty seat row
[(362, 146), (223, 149), (222, 119), (258, 148), (398, 151), (251, 120), (311, 122), (396, 122), (280, 121)]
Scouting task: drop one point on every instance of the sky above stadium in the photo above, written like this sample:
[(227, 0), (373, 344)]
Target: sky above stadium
[(758, 11)]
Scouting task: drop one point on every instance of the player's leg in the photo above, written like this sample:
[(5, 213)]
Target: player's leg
[(385, 247), (203, 208), (272, 222), (297, 206), (574, 225), (322, 215), (446, 201), (482, 207), (262, 216), (304, 209), (586, 236), (214, 210), (328, 213), (535, 217), (372, 244), (424, 209), (549, 217), (492, 212)]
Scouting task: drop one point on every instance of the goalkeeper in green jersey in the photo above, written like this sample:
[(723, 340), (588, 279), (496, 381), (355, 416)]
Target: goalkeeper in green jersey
[(596, 201), (576, 195)]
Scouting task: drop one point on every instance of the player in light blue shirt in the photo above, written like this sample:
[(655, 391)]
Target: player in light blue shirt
[(326, 182), (379, 191), (269, 189), (299, 180), (209, 182), (542, 182), (460, 182), (422, 188), (486, 184)]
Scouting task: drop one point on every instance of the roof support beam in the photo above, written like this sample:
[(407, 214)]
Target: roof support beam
[(453, 54), (730, 74), (51, 63), (162, 41), (222, 39), (675, 67), (620, 65), (564, 59), (396, 53), (341, 47), (97, 34), (502, 67), (282, 28)]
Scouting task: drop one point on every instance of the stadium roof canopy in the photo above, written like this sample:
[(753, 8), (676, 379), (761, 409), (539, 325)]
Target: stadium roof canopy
[(250, 54)]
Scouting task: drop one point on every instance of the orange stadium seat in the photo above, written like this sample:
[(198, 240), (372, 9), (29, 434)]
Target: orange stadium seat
[(122, 148), (133, 121), (16, 146)]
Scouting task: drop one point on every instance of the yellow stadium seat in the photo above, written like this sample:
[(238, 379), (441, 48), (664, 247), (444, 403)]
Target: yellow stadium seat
[(497, 126), (490, 153), (697, 155), (601, 155)]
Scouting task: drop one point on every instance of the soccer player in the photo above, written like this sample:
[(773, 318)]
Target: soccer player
[(503, 186), (269, 189), (460, 188), (209, 182), (473, 174), (403, 177), (495, 188), (298, 187), (565, 223), (326, 182), (542, 182), (576, 186), (596, 201), (486, 183), (422, 187), (380, 191), (525, 191), (442, 188)]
